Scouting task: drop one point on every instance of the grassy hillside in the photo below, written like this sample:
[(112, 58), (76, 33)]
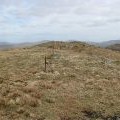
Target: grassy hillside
[(82, 82)]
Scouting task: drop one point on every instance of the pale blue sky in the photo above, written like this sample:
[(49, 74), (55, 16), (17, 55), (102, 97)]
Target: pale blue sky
[(34, 20)]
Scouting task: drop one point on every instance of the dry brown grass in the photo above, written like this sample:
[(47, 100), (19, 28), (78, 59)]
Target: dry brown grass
[(83, 82)]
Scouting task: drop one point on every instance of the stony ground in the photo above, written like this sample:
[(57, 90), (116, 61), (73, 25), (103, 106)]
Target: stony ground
[(81, 83)]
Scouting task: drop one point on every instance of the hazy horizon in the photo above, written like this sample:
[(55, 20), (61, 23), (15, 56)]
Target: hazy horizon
[(35, 20)]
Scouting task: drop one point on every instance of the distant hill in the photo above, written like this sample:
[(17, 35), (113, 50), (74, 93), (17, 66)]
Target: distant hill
[(114, 47), (4, 45), (105, 44), (7, 45)]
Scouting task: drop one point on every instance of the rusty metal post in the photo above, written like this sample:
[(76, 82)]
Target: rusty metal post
[(45, 64)]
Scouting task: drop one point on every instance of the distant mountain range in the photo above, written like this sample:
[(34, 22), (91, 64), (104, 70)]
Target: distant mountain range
[(4, 45), (7, 45), (112, 44), (105, 44), (108, 43)]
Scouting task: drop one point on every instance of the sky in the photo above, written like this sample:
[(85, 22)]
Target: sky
[(35, 20)]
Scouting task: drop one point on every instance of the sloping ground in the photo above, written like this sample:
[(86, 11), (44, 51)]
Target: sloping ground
[(81, 83), (114, 47)]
